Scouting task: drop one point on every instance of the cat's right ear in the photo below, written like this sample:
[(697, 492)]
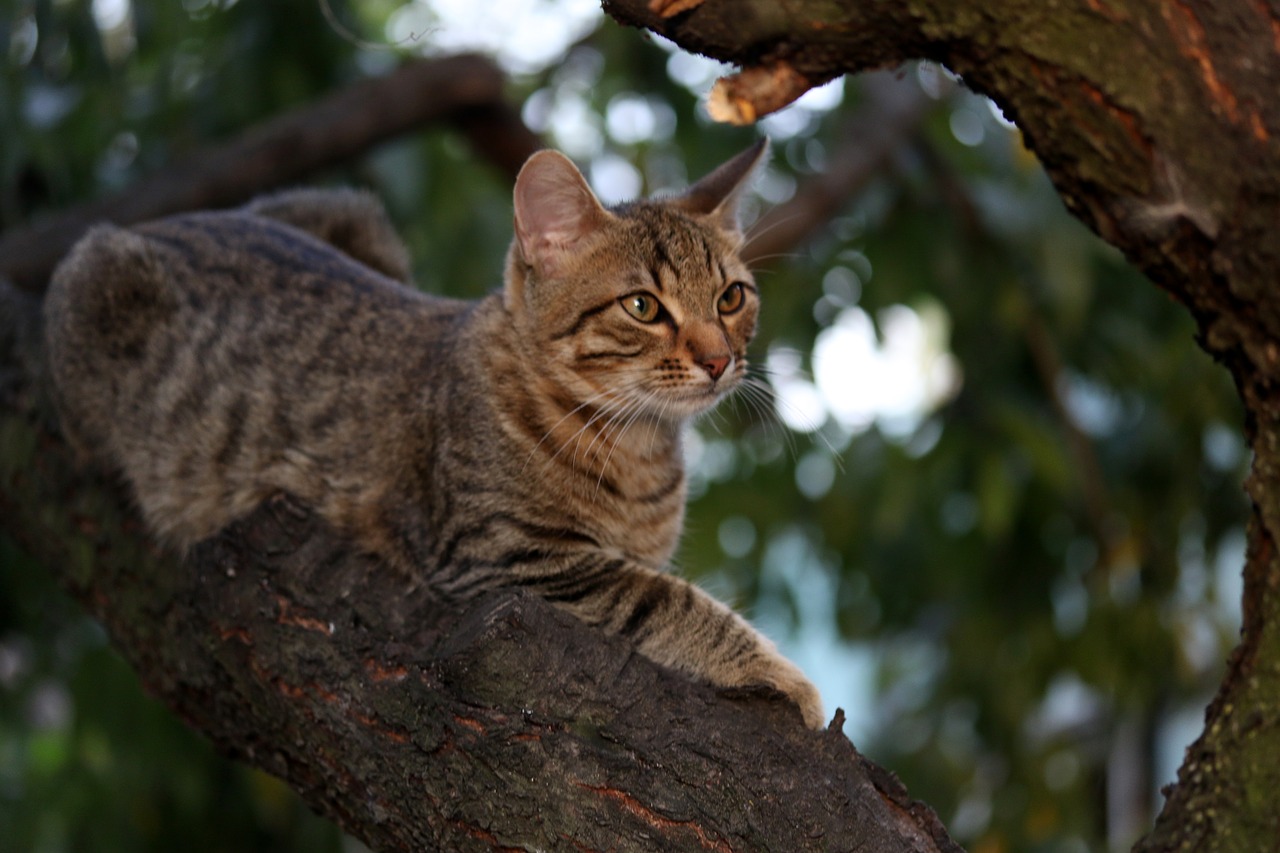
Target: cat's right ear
[(555, 211), (716, 196)]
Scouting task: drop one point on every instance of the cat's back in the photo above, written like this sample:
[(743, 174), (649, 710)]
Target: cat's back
[(211, 355), (225, 259), (128, 307)]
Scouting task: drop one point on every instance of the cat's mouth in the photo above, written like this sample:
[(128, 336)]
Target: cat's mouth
[(681, 401), (695, 401)]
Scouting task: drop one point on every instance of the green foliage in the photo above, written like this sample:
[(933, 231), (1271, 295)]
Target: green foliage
[(1006, 588)]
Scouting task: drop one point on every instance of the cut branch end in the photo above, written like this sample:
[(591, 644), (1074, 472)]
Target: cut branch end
[(753, 93)]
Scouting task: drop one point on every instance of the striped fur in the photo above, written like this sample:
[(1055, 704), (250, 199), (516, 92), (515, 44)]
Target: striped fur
[(530, 439)]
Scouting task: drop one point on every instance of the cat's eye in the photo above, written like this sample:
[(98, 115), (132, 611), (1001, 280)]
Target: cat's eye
[(642, 306), (732, 298)]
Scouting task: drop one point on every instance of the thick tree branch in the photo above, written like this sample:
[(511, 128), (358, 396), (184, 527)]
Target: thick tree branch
[(417, 726), (1090, 87), (465, 91), (1157, 123)]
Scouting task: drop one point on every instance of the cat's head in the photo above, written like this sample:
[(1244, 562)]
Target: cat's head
[(645, 305)]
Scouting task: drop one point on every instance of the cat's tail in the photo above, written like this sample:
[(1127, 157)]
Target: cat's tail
[(353, 221), (104, 301)]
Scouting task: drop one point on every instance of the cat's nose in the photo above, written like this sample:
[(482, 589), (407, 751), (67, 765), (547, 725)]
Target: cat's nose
[(714, 365)]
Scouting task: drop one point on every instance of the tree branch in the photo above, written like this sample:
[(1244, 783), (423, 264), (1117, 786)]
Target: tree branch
[(465, 91), (417, 726)]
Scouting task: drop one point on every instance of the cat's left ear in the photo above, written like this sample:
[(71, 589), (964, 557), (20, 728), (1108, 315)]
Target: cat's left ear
[(717, 195), (555, 211)]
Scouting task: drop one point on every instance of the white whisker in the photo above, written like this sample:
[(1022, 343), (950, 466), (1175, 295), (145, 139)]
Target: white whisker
[(763, 226), (605, 409), (638, 411), (608, 412), (762, 394), (554, 426), (604, 434), (760, 259), (759, 398)]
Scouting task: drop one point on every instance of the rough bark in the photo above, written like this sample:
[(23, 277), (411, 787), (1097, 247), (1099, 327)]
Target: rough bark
[(1158, 123), (506, 726)]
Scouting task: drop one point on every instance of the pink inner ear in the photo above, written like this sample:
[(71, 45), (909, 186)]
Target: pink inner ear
[(554, 208), (564, 216)]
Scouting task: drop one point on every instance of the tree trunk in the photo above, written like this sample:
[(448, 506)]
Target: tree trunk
[(1158, 123)]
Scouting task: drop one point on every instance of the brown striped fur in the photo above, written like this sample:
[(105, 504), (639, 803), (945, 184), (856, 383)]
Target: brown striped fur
[(532, 438)]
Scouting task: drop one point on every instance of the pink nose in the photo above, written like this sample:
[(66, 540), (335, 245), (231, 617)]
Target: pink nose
[(715, 365)]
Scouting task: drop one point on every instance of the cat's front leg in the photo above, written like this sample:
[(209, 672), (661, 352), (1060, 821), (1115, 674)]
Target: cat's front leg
[(676, 624)]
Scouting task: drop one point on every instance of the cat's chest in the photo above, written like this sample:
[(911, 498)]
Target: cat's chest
[(640, 515)]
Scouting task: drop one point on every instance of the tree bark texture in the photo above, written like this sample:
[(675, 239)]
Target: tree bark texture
[(1158, 122), (506, 726)]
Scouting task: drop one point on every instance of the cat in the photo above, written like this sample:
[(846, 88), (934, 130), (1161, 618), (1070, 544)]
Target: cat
[(529, 439)]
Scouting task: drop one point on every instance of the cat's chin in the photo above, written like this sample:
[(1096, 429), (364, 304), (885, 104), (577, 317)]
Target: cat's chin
[(690, 404)]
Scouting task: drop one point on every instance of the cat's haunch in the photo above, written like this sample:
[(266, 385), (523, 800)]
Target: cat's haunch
[(532, 438)]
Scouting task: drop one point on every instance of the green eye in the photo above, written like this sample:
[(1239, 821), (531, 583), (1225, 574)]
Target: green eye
[(732, 298), (642, 306)]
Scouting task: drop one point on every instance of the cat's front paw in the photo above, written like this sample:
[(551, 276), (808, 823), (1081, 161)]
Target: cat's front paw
[(782, 675)]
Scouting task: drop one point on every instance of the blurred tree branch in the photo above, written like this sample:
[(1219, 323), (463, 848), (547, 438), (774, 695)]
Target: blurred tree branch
[(1156, 123), (464, 91), (1098, 506), (892, 117)]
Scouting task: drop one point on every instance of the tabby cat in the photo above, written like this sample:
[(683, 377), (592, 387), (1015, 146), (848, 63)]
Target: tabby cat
[(532, 438)]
